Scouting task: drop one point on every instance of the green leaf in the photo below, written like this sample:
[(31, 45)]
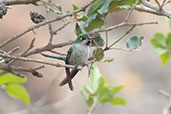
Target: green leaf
[(98, 54), (115, 3), (116, 89), (165, 58), (88, 89), (169, 21), (104, 8), (168, 40), (118, 101), (11, 78), (162, 46), (90, 100), (84, 96), (1, 71), (81, 16), (109, 60), (93, 22), (60, 8), (127, 7), (160, 51), (97, 41), (95, 7), (94, 76), (158, 40), (74, 7), (99, 91), (105, 95), (134, 42), (77, 29), (18, 91)]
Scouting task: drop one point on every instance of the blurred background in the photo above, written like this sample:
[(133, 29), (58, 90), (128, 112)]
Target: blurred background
[(140, 72)]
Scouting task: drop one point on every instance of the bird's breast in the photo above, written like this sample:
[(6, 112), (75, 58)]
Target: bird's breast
[(80, 54)]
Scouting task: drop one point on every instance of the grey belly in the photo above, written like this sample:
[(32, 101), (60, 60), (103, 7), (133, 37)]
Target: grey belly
[(79, 56)]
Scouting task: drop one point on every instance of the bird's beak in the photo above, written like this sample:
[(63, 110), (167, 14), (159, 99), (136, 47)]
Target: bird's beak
[(88, 43)]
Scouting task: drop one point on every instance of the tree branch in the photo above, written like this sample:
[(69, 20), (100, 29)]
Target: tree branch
[(42, 24), (152, 8), (18, 2), (34, 60), (125, 24)]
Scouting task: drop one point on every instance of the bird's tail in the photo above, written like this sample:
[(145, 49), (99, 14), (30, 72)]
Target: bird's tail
[(65, 81)]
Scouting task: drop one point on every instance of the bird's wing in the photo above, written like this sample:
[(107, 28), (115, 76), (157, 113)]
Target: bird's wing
[(68, 73)]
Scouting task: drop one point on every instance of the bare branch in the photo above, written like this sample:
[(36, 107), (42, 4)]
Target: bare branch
[(19, 2), (167, 109), (122, 36), (16, 70), (42, 24), (130, 50), (48, 48), (34, 60), (13, 50), (130, 12), (63, 26), (152, 8), (125, 24)]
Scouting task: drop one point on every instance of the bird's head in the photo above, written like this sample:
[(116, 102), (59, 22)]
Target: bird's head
[(83, 38)]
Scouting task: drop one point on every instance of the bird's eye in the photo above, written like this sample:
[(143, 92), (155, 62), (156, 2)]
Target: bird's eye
[(82, 38)]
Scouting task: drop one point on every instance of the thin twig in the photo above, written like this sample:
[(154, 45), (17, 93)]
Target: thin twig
[(122, 36), (32, 42), (15, 69), (152, 8), (106, 33), (125, 24), (130, 12), (49, 25), (167, 109), (13, 50), (18, 2), (164, 1), (123, 49), (2, 44), (10, 61), (63, 26), (157, 2), (48, 48), (108, 48), (34, 60), (165, 94)]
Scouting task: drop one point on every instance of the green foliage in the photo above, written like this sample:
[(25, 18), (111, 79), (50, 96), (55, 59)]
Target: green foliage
[(97, 41), (169, 21), (17, 91), (134, 42), (95, 7), (93, 22), (10, 78), (99, 91), (74, 7), (109, 60), (78, 29), (162, 46), (12, 84), (98, 54), (98, 10)]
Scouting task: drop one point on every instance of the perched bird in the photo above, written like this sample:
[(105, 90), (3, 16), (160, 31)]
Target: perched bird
[(78, 54)]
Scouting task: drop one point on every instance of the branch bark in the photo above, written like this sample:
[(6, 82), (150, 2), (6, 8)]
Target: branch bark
[(152, 8), (18, 2)]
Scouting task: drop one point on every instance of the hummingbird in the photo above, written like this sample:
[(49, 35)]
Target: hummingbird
[(78, 54)]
